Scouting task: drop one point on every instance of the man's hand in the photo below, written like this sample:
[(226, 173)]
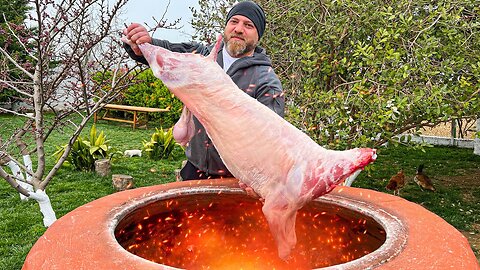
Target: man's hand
[(250, 192), (136, 34)]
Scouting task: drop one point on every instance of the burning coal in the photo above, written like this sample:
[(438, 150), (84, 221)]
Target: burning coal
[(218, 231)]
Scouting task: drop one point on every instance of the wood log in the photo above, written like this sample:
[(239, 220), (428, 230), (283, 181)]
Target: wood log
[(122, 182), (178, 177), (102, 167), (476, 146)]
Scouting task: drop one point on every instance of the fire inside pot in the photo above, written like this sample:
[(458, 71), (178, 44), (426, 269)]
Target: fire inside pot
[(220, 231)]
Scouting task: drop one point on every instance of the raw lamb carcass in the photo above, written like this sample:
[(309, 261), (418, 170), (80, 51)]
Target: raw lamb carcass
[(281, 163)]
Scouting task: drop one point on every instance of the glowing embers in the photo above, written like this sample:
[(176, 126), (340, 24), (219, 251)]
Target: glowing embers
[(219, 231)]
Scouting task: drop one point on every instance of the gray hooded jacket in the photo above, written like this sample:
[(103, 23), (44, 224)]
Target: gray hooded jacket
[(254, 75)]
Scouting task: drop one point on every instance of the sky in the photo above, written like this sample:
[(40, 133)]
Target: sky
[(141, 11)]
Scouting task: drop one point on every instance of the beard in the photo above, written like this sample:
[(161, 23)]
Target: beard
[(237, 48)]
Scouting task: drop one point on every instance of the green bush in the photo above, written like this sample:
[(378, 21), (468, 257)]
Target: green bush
[(161, 144), (6, 94), (85, 152), (366, 71), (148, 91), (360, 73)]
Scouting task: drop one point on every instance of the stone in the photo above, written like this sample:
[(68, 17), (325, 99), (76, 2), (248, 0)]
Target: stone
[(133, 153)]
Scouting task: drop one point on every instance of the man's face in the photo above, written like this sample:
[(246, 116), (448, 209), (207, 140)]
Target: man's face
[(241, 36)]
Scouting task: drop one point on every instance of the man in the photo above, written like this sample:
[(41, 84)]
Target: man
[(242, 59)]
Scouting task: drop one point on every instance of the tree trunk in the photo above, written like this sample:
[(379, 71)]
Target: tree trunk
[(348, 182), (45, 206)]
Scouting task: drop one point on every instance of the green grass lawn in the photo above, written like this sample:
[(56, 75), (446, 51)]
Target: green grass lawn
[(455, 172)]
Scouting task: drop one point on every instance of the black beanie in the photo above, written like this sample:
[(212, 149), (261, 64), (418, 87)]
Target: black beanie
[(252, 11)]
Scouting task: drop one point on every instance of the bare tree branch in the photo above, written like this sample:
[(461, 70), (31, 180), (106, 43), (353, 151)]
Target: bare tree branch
[(7, 83), (7, 55), (18, 38)]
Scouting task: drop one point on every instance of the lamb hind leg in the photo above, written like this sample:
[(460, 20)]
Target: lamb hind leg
[(184, 129), (281, 214)]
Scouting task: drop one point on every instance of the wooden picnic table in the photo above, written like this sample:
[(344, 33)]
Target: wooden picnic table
[(132, 109)]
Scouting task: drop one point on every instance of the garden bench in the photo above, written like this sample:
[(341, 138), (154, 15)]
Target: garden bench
[(132, 109)]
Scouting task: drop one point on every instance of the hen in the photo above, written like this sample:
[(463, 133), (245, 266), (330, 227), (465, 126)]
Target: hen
[(423, 180), (396, 183)]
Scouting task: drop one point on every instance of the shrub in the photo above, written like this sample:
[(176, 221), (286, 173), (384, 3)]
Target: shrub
[(359, 73), (85, 152), (161, 144)]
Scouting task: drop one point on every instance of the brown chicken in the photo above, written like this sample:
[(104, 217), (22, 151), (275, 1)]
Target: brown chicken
[(423, 180), (396, 183)]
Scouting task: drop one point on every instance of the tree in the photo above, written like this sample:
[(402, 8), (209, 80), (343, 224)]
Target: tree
[(361, 73), (382, 68), (209, 21), (67, 44)]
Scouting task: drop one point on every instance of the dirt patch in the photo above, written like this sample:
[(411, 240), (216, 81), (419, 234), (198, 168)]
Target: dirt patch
[(467, 181)]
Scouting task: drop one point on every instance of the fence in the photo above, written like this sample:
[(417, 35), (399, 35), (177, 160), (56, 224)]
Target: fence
[(452, 140)]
